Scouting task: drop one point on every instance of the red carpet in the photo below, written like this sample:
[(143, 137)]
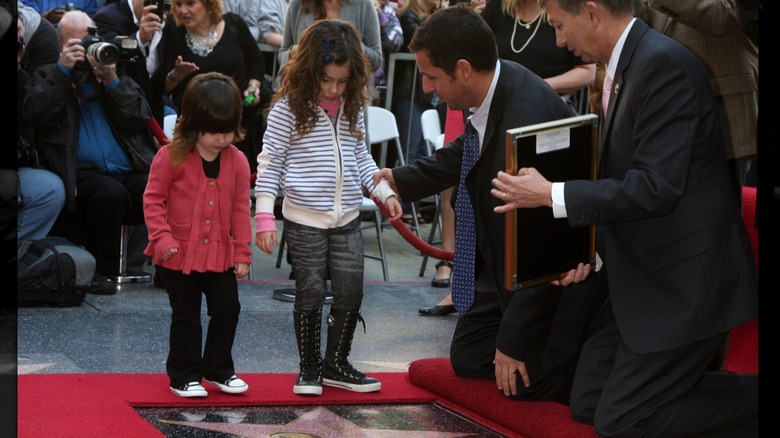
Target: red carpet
[(742, 354), (101, 405), (531, 419)]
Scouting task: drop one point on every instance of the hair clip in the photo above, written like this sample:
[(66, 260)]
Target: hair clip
[(328, 45)]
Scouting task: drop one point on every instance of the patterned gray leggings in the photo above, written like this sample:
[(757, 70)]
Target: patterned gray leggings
[(314, 252)]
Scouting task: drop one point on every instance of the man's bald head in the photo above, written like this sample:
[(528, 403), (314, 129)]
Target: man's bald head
[(73, 24)]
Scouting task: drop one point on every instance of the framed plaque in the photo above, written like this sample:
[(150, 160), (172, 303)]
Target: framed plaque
[(539, 247)]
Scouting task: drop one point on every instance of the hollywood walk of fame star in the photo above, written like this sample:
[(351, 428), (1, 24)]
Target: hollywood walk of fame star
[(320, 422)]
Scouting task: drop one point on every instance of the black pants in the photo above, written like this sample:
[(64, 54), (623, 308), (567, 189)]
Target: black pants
[(664, 394), (473, 349), (185, 363), (103, 204)]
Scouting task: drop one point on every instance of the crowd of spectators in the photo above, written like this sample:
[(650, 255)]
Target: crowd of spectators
[(86, 118)]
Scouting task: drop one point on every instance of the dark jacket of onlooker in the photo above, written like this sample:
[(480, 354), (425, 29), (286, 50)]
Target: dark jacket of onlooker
[(52, 106), (40, 40)]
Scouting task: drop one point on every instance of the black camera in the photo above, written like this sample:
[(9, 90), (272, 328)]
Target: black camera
[(106, 53), (69, 7)]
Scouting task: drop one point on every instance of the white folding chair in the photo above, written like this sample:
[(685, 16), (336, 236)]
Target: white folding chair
[(431, 128), (382, 129), (168, 124), (434, 140), (370, 206), (126, 276)]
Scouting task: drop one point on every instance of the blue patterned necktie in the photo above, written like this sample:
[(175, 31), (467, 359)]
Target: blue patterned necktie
[(465, 230)]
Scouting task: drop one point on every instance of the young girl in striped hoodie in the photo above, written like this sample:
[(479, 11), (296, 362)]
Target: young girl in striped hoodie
[(314, 151)]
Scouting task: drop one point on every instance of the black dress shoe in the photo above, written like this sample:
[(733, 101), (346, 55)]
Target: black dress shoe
[(438, 310), (442, 282)]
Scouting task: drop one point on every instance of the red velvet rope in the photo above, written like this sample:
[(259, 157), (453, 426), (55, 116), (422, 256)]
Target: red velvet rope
[(414, 239), (158, 132)]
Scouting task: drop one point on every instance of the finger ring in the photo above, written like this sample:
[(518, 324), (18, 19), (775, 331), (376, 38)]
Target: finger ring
[(503, 196)]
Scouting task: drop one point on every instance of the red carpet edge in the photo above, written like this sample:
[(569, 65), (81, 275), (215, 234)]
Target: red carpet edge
[(102, 405)]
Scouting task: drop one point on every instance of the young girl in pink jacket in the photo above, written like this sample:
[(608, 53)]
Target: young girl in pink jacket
[(196, 207)]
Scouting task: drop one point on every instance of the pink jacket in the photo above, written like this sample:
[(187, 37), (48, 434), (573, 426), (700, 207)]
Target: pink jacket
[(206, 218)]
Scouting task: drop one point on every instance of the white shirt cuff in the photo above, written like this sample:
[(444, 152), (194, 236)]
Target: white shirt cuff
[(558, 200)]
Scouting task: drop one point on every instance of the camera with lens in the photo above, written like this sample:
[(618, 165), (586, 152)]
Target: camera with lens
[(104, 52)]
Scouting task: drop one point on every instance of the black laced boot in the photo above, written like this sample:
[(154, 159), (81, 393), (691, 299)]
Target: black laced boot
[(307, 333), (337, 370)]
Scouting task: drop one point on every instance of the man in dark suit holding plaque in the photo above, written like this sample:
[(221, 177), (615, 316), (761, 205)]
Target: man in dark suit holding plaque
[(527, 340), (678, 266)]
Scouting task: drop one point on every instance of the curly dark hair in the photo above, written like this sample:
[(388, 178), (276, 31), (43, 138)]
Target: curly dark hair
[(322, 43)]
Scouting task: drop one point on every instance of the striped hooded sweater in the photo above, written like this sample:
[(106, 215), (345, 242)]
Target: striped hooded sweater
[(321, 174)]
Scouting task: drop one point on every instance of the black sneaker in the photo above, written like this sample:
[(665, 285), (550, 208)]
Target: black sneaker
[(308, 384), (233, 385), (192, 389), (102, 285), (350, 379)]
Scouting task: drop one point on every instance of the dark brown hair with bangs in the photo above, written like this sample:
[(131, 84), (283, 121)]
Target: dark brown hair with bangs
[(211, 104)]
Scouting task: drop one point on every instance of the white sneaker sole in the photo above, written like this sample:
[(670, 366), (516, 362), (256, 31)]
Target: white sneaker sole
[(307, 390), (190, 393), (352, 387), (228, 389)]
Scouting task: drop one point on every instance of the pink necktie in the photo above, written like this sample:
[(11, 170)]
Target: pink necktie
[(605, 93)]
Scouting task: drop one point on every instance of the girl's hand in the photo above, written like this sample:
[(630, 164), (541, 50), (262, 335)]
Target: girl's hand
[(170, 253), (241, 270), (396, 210), (266, 240)]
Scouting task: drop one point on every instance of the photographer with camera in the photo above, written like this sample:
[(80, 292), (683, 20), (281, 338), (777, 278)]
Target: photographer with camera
[(92, 130), (146, 22)]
